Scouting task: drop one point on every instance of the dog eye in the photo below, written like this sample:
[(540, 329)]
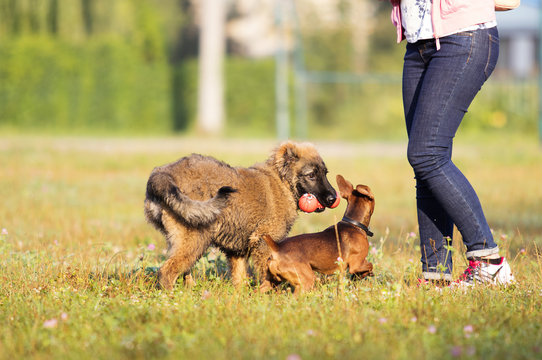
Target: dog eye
[(311, 175)]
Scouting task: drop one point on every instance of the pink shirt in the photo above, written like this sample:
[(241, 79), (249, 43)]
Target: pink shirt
[(449, 16)]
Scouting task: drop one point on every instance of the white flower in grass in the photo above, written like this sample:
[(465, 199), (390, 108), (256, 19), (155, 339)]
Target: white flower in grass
[(467, 330), (293, 357), (50, 324)]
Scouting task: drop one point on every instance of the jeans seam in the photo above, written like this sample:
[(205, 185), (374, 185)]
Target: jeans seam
[(491, 43), (472, 40), (466, 205), (445, 108), (488, 56)]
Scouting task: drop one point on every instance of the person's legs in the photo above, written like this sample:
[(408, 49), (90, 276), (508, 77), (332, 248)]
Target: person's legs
[(435, 225), (438, 88)]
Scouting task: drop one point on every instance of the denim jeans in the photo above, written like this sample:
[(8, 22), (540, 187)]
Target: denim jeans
[(438, 87)]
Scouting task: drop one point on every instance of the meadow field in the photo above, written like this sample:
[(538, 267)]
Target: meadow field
[(78, 261)]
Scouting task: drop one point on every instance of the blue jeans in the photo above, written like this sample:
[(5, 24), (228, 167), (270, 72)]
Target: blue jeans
[(438, 87)]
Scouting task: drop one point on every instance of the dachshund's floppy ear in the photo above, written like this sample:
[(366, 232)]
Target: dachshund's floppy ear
[(345, 187), (365, 191)]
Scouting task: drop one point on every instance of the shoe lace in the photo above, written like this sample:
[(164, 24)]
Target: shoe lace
[(471, 271)]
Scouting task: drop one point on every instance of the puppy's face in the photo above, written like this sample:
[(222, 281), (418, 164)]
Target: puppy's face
[(302, 166), (312, 179)]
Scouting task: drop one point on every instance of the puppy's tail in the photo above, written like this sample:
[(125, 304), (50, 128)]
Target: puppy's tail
[(272, 245), (162, 188)]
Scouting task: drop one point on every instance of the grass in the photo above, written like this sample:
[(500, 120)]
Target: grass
[(78, 261)]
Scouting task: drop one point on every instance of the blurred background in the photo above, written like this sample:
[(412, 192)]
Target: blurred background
[(318, 69)]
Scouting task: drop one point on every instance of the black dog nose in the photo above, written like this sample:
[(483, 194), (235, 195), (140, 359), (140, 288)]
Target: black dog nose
[(330, 199)]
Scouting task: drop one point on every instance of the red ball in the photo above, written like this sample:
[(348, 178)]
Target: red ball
[(308, 203), (337, 201)]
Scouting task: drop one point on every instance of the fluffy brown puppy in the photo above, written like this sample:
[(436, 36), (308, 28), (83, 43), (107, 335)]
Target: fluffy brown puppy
[(200, 201), (296, 258)]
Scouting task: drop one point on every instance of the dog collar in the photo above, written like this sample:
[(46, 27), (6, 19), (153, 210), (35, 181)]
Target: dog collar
[(358, 224)]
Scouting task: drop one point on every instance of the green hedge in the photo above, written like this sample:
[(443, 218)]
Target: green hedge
[(106, 86), (249, 97), (109, 86), (46, 84)]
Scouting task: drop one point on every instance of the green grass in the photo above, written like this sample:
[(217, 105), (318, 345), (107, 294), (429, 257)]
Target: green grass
[(77, 261)]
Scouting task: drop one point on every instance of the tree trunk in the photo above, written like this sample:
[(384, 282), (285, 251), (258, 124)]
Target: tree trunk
[(211, 55)]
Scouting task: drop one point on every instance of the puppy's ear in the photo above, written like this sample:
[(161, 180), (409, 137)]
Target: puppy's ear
[(290, 152), (365, 190), (345, 187), (284, 156)]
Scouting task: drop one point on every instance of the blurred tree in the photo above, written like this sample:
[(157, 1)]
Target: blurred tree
[(86, 7), (211, 89), (52, 17), (181, 35)]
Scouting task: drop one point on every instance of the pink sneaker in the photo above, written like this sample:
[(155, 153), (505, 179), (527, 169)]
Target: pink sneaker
[(490, 271)]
